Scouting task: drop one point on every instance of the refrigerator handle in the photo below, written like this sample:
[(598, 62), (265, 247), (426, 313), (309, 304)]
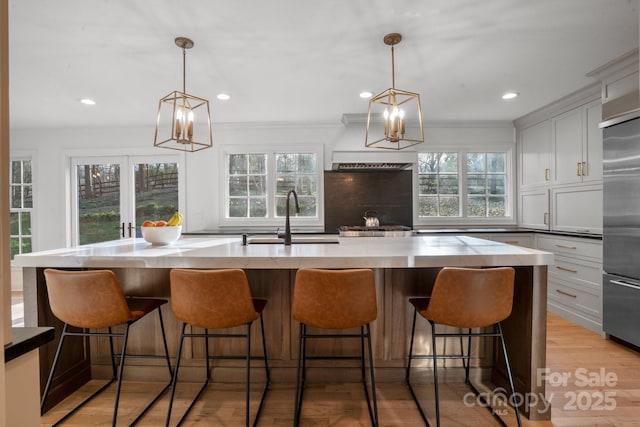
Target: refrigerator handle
[(626, 284)]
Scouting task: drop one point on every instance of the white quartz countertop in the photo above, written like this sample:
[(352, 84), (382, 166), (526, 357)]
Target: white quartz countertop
[(349, 252)]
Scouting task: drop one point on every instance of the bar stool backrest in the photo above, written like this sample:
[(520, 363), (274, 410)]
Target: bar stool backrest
[(214, 299), (334, 299), (470, 297), (87, 299)]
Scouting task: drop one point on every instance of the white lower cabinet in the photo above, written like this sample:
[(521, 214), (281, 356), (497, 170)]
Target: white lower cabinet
[(575, 280)]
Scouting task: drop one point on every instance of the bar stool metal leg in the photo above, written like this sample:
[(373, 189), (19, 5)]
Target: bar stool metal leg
[(175, 374), (373, 412), (248, 383), (407, 378), (435, 372), (512, 399), (300, 374)]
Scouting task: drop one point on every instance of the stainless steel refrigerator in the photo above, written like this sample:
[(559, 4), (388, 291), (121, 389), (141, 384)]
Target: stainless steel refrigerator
[(621, 233)]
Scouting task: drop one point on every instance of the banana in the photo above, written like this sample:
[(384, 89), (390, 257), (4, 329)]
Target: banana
[(175, 220)]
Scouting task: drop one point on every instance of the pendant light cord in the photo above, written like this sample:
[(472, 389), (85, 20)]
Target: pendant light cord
[(393, 70), (184, 70)]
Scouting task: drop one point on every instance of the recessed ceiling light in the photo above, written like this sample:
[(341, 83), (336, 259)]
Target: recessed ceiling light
[(510, 95), (223, 96), (366, 95), (87, 101)]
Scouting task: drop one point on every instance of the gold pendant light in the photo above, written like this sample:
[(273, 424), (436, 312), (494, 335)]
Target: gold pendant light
[(394, 121), (184, 121)]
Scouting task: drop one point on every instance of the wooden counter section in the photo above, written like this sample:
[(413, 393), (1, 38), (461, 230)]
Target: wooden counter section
[(403, 266)]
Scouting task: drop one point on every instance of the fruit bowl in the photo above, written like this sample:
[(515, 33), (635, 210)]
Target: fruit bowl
[(161, 235)]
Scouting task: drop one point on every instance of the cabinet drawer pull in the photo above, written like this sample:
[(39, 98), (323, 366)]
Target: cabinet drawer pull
[(566, 293), (511, 242), (566, 269), (566, 247)]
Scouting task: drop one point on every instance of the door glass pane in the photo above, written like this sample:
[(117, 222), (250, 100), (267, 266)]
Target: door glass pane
[(98, 202), (156, 192)]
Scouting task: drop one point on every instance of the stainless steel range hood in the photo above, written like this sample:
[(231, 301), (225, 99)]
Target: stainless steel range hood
[(374, 160)]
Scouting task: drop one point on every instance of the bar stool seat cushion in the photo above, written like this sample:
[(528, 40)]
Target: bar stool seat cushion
[(348, 300), (465, 299), (94, 299), (225, 305)]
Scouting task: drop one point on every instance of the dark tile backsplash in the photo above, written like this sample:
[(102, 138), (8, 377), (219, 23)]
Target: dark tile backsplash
[(347, 195)]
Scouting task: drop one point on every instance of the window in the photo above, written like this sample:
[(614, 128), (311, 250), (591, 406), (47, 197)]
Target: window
[(469, 185), (247, 183), (257, 183), (297, 171), (486, 184), (439, 189), (21, 207)]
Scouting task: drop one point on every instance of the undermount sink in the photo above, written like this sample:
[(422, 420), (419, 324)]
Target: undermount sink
[(296, 240)]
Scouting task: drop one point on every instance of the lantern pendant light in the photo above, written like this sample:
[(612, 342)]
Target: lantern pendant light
[(397, 110), (184, 121)]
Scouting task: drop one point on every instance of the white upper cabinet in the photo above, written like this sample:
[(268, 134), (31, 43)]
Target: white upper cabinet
[(567, 147), (533, 209), (534, 147), (577, 145), (593, 167)]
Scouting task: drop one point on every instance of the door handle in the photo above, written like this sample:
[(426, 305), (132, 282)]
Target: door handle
[(566, 247), (546, 174), (584, 168), (579, 169), (566, 293), (566, 269)]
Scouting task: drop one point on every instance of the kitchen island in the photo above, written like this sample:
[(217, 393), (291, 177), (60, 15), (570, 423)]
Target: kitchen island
[(403, 266)]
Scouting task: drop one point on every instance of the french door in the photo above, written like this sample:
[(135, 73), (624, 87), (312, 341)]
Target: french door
[(112, 196)]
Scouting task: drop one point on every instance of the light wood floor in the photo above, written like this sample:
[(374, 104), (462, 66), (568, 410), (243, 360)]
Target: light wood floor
[(601, 388)]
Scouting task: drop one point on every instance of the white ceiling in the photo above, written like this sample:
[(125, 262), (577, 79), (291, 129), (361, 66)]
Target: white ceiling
[(304, 60)]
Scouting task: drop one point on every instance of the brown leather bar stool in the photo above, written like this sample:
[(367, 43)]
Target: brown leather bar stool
[(335, 299), (465, 298), (91, 300), (216, 299)]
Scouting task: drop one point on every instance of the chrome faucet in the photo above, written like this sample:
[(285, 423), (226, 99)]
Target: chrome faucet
[(287, 225)]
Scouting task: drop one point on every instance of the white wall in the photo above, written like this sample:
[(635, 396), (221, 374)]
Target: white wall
[(51, 149)]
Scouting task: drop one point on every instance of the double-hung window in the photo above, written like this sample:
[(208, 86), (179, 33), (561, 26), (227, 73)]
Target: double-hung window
[(21, 206), (465, 186), (257, 181)]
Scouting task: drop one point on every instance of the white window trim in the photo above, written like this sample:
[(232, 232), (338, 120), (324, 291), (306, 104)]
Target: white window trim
[(315, 223), (462, 150)]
